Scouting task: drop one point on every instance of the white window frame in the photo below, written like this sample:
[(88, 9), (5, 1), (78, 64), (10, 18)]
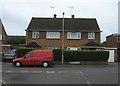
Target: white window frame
[(35, 34), (52, 35), (118, 39), (1, 37), (91, 35), (73, 35)]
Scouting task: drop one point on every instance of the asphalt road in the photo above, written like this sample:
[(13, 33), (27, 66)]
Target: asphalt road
[(61, 74)]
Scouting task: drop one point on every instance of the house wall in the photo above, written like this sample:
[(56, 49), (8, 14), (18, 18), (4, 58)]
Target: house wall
[(42, 41), (0, 39), (4, 35), (111, 41)]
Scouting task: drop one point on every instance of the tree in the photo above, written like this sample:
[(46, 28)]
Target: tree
[(16, 40), (103, 44)]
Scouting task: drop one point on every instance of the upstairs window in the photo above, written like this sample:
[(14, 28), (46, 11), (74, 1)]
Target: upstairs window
[(73, 35), (0, 37), (91, 35), (35, 34), (118, 39), (53, 35)]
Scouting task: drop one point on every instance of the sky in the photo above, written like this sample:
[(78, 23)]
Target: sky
[(16, 14)]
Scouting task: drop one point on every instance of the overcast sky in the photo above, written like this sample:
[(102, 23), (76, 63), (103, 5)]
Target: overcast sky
[(16, 14)]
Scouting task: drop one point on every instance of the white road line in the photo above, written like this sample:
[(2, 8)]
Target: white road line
[(37, 72), (24, 71), (88, 83), (81, 73), (8, 71), (59, 71), (50, 71), (0, 71)]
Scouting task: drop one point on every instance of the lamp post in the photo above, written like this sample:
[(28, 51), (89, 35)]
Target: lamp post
[(63, 39)]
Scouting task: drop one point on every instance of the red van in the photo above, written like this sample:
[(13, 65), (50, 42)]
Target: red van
[(35, 57)]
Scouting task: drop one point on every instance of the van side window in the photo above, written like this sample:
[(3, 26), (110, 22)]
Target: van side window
[(29, 55)]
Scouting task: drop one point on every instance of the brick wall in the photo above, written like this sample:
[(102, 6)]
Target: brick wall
[(42, 41), (111, 41)]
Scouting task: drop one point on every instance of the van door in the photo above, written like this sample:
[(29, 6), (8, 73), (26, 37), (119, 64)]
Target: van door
[(28, 59)]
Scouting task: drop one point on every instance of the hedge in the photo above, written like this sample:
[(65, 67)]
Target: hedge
[(22, 51), (70, 55), (88, 55)]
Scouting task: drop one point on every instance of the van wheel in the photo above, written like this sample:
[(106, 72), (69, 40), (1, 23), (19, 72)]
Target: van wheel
[(17, 64), (45, 64)]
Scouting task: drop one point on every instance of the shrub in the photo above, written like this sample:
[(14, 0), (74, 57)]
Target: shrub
[(86, 55), (81, 55), (71, 55), (22, 51), (57, 54)]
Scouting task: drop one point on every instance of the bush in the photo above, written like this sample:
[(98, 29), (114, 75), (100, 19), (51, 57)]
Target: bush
[(57, 54), (22, 51), (70, 55), (81, 55)]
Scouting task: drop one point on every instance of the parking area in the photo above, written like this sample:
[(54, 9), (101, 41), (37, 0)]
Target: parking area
[(61, 74)]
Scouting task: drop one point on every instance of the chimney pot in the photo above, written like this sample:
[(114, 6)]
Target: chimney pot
[(55, 15), (72, 16)]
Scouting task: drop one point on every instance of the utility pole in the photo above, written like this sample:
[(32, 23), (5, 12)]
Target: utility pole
[(63, 40)]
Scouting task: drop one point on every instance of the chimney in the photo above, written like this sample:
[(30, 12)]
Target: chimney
[(72, 16), (55, 15)]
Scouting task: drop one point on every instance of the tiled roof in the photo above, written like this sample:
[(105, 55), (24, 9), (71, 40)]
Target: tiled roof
[(92, 44), (71, 24)]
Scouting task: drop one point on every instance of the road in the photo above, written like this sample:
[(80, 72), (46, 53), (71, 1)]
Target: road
[(61, 74)]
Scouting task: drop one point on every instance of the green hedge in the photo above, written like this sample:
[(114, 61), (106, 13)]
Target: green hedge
[(70, 55), (81, 55), (22, 51)]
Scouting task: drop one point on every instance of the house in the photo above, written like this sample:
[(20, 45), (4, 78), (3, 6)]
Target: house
[(47, 32), (113, 42), (0, 39), (3, 39)]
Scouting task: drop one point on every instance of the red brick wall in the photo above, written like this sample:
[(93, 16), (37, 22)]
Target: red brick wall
[(111, 41), (42, 41)]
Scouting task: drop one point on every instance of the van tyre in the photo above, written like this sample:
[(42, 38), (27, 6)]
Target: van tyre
[(45, 64), (17, 64)]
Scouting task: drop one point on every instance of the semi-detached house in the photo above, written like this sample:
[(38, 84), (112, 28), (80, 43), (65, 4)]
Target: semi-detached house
[(78, 32)]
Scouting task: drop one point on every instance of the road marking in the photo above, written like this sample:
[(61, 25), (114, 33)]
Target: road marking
[(0, 71), (88, 83), (24, 71), (50, 71), (37, 71), (59, 71), (81, 73), (8, 71)]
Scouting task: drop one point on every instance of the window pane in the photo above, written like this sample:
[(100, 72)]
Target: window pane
[(118, 39), (35, 34), (53, 35), (91, 35), (73, 35), (0, 37), (30, 55)]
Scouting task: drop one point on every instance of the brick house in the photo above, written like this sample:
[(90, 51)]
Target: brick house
[(113, 41), (47, 32), (3, 38), (0, 39)]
